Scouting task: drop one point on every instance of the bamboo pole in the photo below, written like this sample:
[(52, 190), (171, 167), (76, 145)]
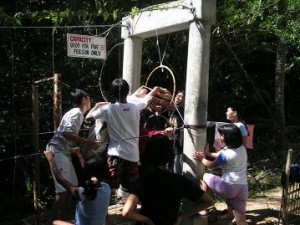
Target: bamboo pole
[(285, 218), (36, 163), (57, 114), (57, 102)]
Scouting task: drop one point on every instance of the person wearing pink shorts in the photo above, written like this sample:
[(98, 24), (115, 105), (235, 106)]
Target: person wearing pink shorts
[(232, 159)]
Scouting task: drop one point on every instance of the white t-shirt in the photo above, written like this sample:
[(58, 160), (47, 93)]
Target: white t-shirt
[(71, 122), (141, 103), (93, 212), (234, 165), (99, 132), (123, 121)]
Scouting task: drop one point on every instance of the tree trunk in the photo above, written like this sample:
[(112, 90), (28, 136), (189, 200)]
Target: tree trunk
[(280, 79)]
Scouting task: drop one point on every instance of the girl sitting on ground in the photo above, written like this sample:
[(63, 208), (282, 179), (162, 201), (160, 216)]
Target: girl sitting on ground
[(93, 197)]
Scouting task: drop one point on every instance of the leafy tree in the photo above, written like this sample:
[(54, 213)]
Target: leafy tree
[(250, 31), (244, 46)]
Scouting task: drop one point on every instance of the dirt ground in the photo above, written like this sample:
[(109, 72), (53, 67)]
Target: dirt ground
[(263, 209)]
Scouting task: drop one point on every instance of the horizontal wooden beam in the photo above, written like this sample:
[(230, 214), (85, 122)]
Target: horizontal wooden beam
[(168, 18)]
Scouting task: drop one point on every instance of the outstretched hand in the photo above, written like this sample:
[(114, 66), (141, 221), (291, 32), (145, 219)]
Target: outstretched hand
[(169, 131), (198, 156)]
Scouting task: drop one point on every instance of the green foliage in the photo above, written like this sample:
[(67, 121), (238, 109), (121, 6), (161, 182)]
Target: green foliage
[(260, 17), (5, 19), (134, 11), (243, 38)]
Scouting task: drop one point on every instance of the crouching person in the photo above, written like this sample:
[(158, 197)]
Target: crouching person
[(159, 191)]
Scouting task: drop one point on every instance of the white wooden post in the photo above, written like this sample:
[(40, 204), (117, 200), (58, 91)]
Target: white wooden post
[(197, 16), (132, 60), (196, 87)]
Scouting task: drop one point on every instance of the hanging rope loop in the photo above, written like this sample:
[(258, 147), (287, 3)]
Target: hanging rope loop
[(162, 67)]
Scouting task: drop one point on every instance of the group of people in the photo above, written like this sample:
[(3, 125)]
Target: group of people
[(143, 175)]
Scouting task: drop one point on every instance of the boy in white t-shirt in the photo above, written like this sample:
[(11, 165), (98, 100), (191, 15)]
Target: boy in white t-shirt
[(123, 128), (62, 145)]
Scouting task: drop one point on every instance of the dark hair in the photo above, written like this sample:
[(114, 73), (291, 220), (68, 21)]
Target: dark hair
[(180, 91), (158, 151), (239, 109), (232, 135), (77, 96), (119, 89), (156, 122), (240, 113), (94, 167)]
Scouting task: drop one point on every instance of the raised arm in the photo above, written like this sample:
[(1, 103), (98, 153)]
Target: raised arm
[(200, 156), (161, 93), (89, 116)]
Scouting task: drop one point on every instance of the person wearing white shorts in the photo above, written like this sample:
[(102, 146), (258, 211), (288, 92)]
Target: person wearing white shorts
[(61, 145), (65, 166)]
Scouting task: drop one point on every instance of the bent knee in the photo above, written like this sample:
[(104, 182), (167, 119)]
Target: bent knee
[(205, 177)]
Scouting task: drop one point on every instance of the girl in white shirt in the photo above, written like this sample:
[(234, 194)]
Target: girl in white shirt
[(232, 159)]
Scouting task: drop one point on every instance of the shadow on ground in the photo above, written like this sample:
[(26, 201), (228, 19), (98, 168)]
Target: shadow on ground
[(260, 216)]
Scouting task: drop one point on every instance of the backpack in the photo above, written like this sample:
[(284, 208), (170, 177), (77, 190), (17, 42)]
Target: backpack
[(294, 174)]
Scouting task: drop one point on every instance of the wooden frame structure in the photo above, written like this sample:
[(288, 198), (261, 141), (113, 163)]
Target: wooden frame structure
[(290, 202)]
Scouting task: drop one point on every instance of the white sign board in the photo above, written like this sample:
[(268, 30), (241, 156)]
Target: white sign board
[(83, 46)]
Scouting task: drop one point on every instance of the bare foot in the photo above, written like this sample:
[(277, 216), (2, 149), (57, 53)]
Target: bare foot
[(203, 213)]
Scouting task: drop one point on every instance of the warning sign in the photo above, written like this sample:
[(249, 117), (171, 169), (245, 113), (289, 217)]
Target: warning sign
[(83, 46)]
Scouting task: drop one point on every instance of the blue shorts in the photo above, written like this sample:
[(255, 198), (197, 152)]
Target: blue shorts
[(235, 195)]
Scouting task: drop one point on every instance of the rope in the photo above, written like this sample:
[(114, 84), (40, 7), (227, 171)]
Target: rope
[(158, 48), (176, 108), (53, 52), (165, 49), (101, 71), (173, 78), (14, 113), (56, 27), (251, 81), (109, 29), (246, 74), (161, 58), (105, 143)]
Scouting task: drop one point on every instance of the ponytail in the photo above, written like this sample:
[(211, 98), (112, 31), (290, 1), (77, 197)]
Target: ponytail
[(94, 168), (90, 188)]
